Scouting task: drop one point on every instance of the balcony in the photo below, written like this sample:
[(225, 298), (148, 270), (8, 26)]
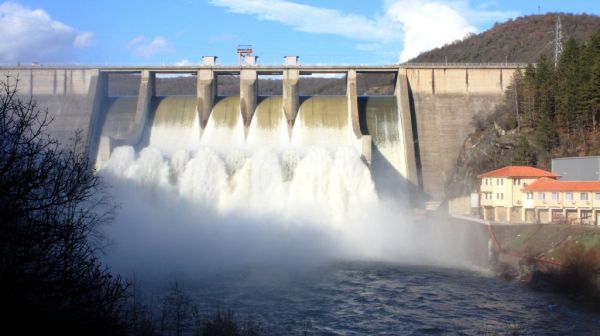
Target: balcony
[(486, 202), (487, 188)]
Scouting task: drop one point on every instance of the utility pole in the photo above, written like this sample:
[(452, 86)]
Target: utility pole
[(557, 41)]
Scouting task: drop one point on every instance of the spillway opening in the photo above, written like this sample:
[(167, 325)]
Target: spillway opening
[(123, 84), (228, 84), (270, 84), (175, 84), (322, 84), (375, 84)]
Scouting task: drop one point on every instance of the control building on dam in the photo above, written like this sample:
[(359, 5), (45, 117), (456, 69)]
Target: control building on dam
[(414, 135)]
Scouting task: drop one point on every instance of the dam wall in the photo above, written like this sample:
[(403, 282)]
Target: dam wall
[(73, 97), (413, 137), (443, 101)]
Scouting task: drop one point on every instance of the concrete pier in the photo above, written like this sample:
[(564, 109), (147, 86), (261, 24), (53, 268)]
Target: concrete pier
[(406, 122), (291, 99), (248, 94), (206, 93), (352, 96), (146, 92), (98, 92)]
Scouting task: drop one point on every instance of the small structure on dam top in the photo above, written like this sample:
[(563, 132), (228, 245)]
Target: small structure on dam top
[(517, 194), (412, 137)]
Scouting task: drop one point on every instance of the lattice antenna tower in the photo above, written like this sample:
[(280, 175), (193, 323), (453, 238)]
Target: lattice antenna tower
[(558, 48)]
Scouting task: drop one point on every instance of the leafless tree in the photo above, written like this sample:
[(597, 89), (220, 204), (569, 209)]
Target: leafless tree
[(52, 206)]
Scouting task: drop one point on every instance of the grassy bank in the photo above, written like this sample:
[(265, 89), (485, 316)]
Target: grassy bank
[(552, 257)]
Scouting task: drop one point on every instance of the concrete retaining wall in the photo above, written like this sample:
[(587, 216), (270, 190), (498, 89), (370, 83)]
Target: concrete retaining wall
[(68, 94), (444, 101)]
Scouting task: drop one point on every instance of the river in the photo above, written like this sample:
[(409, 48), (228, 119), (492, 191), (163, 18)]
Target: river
[(365, 298)]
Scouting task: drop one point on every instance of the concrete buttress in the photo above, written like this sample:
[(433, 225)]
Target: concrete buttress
[(142, 111), (405, 125), (206, 92), (248, 95), (291, 100)]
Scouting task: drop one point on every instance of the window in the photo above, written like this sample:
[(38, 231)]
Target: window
[(583, 196), (541, 196), (500, 196), (569, 196), (517, 182), (555, 196), (529, 195), (598, 196)]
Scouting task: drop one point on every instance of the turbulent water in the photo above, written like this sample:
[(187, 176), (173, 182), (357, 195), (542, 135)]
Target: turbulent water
[(389, 299), (257, 219)]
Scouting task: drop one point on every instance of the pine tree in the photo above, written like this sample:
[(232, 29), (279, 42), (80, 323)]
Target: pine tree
[(523, 154), (545, 133), (528, 100), (594, 93), (568, 85)]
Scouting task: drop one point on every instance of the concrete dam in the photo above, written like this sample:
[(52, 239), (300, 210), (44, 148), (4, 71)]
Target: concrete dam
[(412, 137)]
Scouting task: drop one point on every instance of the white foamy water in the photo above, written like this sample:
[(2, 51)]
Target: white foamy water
[(237, 202), (324, 184)]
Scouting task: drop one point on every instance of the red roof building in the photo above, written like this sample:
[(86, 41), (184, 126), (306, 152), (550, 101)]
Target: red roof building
[(516, 194), (546, 184), (519, 171)]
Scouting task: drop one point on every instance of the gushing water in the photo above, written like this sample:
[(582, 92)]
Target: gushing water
[(327, 185), (245, 199)]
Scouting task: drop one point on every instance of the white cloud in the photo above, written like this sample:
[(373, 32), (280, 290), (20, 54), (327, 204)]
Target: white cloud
[(313, 19), (32, 35), (419, 25), (427, 24), (144, 47), (185, 62)]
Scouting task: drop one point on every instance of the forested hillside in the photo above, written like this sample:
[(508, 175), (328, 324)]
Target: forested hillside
[(547, 112), (524, 39), (228, 85)]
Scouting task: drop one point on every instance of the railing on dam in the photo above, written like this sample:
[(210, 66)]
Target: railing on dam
[(268, 68), (488, 65)]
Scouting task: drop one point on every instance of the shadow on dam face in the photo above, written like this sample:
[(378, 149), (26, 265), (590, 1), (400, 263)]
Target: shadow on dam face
[(378, 117)]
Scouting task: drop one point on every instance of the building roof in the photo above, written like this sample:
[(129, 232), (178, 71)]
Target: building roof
[(519, 171), (546, 184)]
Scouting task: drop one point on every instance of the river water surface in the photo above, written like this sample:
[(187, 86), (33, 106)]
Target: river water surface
[(358, 298)]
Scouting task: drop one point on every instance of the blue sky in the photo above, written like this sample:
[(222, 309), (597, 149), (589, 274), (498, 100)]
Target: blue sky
[(181, 31)]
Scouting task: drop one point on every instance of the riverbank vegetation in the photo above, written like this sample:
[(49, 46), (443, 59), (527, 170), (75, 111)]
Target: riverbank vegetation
[(552, 257), (52, 207)]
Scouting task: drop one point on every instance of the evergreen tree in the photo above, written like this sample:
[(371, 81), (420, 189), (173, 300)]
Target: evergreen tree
[(544, 85), (524, 154), (569, 84), (594, 93), (545, 133), (528, 100)]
